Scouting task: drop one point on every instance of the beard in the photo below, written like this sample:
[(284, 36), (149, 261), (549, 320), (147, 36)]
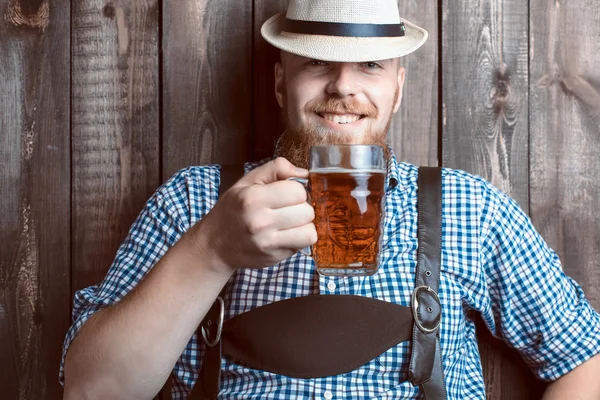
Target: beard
[(296, 141)]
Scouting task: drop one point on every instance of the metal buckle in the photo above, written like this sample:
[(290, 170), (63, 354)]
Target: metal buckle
[(415, 308), (219, 326)]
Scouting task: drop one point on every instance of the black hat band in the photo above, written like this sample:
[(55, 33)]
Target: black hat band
[(343, 29)]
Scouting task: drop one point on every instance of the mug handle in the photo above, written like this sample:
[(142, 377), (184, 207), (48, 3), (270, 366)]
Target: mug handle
[(304, 182)]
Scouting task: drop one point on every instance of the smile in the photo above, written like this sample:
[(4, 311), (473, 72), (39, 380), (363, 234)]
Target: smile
[(341, 118)]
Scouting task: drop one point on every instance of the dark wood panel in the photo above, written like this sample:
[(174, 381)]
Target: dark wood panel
[(34, 196), (507, 377), (115, 126), (267, 120), (414, 130), (565, 134), (485, 131), (485, 78), (207, 82)]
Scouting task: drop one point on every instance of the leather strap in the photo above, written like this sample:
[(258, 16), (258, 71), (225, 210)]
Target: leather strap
[(207, 386), (316, 336), (343, 29), (211, 365), (307, 337), (425, 365)]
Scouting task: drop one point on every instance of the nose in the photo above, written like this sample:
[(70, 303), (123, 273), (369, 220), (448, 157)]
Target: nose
[(342, 82)]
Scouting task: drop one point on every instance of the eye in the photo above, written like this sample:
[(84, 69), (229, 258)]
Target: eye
[(318, 63), (371, 65)]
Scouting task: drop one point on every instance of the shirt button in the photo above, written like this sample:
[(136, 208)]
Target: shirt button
[(331, 287), (328, 395)]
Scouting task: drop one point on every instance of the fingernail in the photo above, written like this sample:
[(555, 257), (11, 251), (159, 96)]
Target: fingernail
[(301, 171)]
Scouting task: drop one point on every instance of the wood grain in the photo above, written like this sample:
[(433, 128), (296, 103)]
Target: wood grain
[(485, 131), (267, 124), (565, 134), (207, 82), (414, 130), (484, 92), (115, 126), (34, 196), (519, 103)]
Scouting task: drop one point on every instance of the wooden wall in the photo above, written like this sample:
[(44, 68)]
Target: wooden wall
[(101, 101)]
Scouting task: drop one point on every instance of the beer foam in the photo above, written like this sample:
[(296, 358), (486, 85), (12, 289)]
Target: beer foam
[(338, 170)]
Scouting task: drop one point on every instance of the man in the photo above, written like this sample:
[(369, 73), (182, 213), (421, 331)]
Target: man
[(339, 81)]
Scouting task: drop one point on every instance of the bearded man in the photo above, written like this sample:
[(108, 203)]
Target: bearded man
[(339, 81)]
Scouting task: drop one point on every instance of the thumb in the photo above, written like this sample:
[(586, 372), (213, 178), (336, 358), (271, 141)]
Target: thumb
[(273, 171)]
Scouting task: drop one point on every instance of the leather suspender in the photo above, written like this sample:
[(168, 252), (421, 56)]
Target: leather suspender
[(426, 365), (207, 386), (211, 365)]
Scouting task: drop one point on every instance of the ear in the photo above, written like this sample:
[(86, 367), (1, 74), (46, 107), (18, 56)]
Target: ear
[(401, 76), (279, 84)]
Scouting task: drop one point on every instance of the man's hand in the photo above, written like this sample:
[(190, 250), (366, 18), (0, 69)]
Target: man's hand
[(261, 220)]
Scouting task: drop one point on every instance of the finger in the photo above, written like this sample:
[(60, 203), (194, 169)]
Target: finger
[(280, 194), (297, 238), (293, 216), (273, 171)]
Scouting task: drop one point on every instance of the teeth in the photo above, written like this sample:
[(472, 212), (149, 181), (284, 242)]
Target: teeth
[(341, 119)]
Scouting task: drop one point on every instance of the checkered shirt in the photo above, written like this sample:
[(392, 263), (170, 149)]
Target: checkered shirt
[(493, 263)]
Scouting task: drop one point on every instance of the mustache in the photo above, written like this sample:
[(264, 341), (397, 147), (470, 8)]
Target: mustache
[(342, 106)]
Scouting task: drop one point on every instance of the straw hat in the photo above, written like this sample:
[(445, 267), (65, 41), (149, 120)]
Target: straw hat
[(344, 30)]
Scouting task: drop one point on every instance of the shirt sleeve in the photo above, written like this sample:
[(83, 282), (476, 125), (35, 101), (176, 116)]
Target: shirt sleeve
[(533, 305), (167, 215)]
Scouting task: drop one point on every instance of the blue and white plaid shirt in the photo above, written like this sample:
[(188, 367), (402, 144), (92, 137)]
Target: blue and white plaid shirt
[(493, 263)]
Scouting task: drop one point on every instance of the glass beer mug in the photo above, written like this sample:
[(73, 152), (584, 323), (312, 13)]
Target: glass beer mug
[(347, 191)]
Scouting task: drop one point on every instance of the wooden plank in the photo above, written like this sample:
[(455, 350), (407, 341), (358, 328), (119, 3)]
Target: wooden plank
[(413, 133), (484, 91), (506, 374), (414, 130), (485, 131), (207, 82), (115, 126), (267, 119), (565, 134), (34, 196)]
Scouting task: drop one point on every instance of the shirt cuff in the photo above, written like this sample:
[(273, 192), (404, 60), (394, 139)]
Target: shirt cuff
[(574, 344)]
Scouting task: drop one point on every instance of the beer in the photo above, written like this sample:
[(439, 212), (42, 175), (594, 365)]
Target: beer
[(348, 207)]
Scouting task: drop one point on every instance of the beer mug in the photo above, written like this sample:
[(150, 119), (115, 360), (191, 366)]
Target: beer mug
[(347, 191)]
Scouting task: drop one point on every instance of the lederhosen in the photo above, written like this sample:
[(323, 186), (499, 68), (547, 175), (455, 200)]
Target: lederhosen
[(308, 337)]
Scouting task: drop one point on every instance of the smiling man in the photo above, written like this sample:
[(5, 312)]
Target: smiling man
[(339, 81), (335, 103)]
